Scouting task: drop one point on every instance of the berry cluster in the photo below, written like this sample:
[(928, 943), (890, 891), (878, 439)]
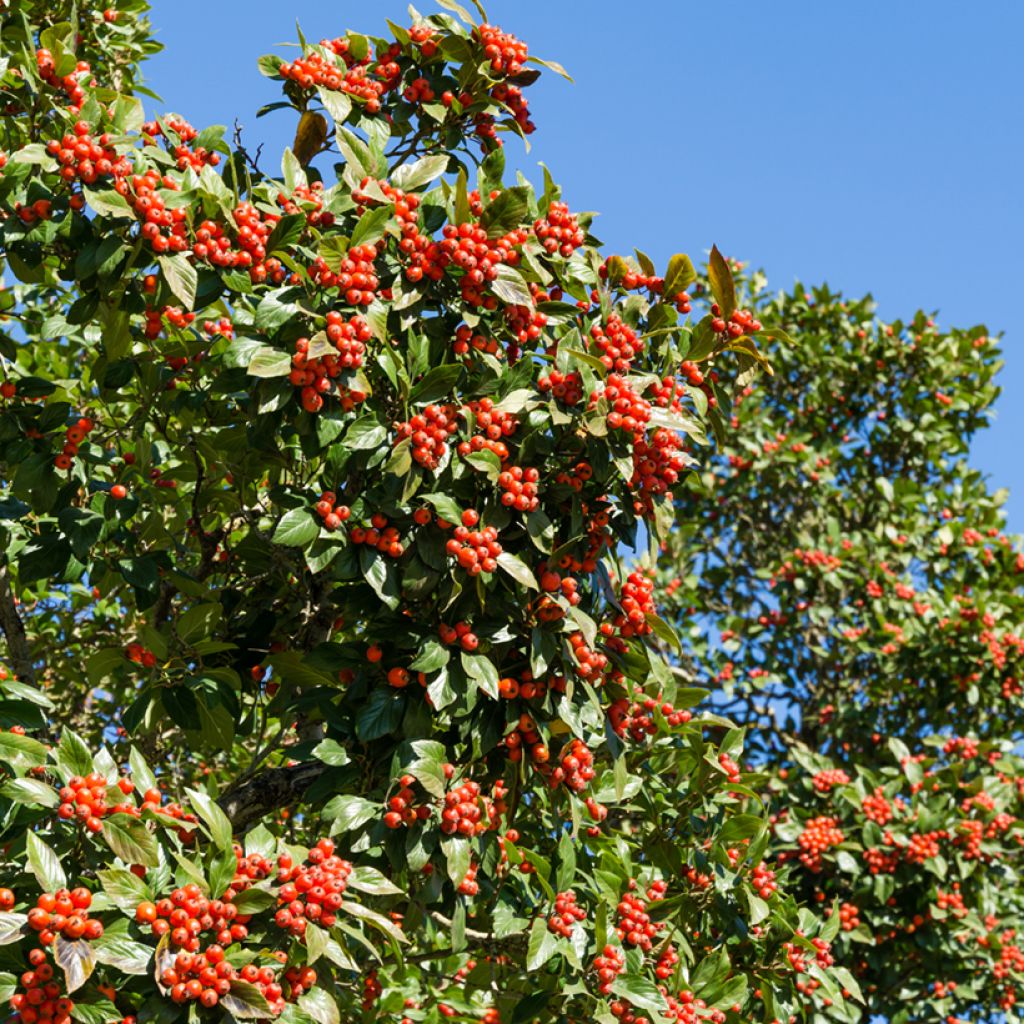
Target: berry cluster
[(86, 799), (356, 275), (73, 437), (165, 229), (183, 133), (567, 388), (476, 551), (575, 767), (658, 463), (826, 781), (461, 633), (469, 886), (85, 158), (506, 53), (819, 835), (42, 998), (627, 411), (666, 965), (637, 602), (401, 806), (462, 812), (69, 84), (311, 891), (466, 342), (634, 926), (740, 322), (520, 488), (608, 965), (617, 344), (64, 913), (307, 200), (428, 433), (140, 655), (315, 69), (559, 232), (566, 914), (187, 914), (525, 736), (380, 536), (762, 878), (206, 977)]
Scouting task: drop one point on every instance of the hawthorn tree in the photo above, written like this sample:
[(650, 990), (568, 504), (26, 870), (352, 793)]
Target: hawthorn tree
[(842, 580), (328, 693)]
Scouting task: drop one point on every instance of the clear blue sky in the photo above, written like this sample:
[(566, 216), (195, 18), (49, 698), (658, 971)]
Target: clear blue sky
[(876, 146)]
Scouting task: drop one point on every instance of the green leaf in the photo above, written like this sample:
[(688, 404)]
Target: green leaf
[(297, 528), (125, 889), (371, 226), (212, 816), (436, 384), (125, 954), (77, 960), (31, 792), (131, 840), (722, 286), (640, 992), (679, 276), (348, 812), (410, 177), (370, 880), (379, 921), (269, 362), (427, 766), (181, 278), (542, 945), (518, 570), (15, 749), (253, 900), (45, 864), (481, 670), (73, 754), (12, 927), (320, 1006), (510, 286), (246, 1001), (331, 752), (509, 210)]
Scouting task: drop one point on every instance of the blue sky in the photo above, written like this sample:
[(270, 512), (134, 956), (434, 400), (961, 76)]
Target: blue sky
[(876, 146)]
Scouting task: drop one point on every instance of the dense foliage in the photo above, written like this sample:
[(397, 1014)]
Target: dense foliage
[(327, 693), (843, 582)]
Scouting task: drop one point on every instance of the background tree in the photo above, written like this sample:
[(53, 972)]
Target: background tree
[(327, 693), (844, 584)]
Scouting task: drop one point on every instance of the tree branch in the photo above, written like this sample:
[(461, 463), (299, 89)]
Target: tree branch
[(14, 630), (269, 791)]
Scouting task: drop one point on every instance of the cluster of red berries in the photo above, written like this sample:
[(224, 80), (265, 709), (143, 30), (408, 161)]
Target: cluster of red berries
[(763, 880), (588, 663), (819, 835), (825, 781), (174, 315), (849, 917), (356, 275), (165, 229), (184, 155), (247, 250), (187, 914), (567, 388), (634, 926), (466, 342), (658, 462), (401, 807), (462, 812), (69, 84), (492, 424), (559, 232), (617, 344), (691, 371), (311, 891), (205, 977), (86, 799), (140, 655), (315, 368), (384, 538), (86, 158), (637, 602), (740, 322), (331, 515), (566, 914), (525, 736), (42, 998), (307, 200), (428, 433), (877, 808), (575, 767), (73, 437), (469, 886), (222, 327), (469, 248), (476, 551), (552, 582), (64, 913), (520, 488), (506, 53), (461, 633), (627, 411), (608, 965), (637, 717), (314, 69), (666, 965)]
